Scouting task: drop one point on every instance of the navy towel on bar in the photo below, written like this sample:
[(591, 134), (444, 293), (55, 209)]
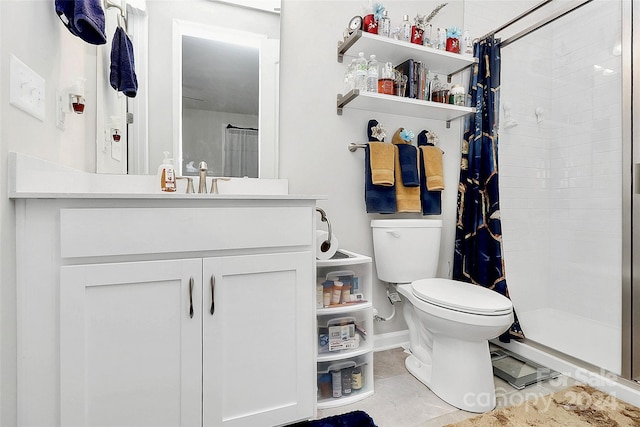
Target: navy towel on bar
[(123, 74), (408, 155), (84, 18), (378, 198)]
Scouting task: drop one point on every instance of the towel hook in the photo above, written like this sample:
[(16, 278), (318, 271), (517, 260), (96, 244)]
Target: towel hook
[(122, 16)]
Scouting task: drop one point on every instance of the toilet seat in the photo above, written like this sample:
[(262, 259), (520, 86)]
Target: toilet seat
[(461, 296)]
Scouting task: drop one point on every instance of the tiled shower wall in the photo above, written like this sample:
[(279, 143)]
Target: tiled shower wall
[(561, 170)]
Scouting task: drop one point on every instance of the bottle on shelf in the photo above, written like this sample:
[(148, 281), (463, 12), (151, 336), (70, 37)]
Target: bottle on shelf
[(349, 76), (384, 26), (385, 82), (405, 29), (336, 383), (467, 43), (441, 39), (360, 74), (372, 74), (356, 378)]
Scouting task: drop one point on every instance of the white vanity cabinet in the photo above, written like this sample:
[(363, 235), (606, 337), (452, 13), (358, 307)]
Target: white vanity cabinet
[(154, 312)]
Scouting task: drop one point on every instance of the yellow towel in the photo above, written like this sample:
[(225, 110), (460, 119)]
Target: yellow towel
[(382, 161), (407, 198), (433, 167)]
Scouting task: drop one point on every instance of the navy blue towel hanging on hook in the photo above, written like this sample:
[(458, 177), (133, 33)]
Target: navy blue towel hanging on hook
[(83, 18), (123, 74)]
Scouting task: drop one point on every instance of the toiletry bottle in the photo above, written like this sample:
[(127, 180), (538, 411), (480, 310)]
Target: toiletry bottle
[(360, 80), (167, 174), (405, 29), (336, 293), (385, 82), (467, 43), (356, 378), (384, 27), (372, 74), (346, 381), (349, 76), (336, 383)]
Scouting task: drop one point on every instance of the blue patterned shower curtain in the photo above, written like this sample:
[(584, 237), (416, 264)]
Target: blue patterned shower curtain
[(478, 246)]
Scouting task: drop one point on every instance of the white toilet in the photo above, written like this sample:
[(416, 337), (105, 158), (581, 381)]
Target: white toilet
[(450, 322)]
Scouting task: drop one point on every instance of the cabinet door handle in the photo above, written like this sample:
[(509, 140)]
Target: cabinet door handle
[(191, 297), (213, 286)]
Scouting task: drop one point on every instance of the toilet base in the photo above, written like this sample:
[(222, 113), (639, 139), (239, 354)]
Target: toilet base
[(463, 376)]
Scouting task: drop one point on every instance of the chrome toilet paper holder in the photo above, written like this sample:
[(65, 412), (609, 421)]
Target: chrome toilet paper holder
[(326, 245)]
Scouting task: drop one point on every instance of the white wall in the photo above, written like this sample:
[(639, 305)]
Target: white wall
[(314, 139), (32, 32)]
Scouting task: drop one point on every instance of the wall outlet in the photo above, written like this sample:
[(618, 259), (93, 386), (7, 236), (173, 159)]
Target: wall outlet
[(27, 88)]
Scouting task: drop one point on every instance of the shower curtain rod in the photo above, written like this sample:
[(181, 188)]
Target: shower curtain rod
[(536, 26)]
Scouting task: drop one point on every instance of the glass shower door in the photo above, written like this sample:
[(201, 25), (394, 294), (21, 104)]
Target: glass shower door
[(561, 182)]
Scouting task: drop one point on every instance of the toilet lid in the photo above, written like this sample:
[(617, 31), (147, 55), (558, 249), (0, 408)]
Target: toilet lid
[(461, 296)]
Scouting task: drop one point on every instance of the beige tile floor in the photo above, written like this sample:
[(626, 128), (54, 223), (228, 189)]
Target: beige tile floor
[(402, 401)]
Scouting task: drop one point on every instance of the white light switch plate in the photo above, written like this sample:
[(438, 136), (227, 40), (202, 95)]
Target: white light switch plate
[(27, 89)]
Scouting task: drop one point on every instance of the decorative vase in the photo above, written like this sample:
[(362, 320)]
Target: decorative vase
[(453, 45), (370, 24), (416, 35)]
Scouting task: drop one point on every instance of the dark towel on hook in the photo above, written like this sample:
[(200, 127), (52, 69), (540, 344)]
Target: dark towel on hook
[(83, 18), (378, 198), (123, 74)]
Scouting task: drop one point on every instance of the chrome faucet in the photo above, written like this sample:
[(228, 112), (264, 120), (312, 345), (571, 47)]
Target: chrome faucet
[(189, 183), (202, 182)]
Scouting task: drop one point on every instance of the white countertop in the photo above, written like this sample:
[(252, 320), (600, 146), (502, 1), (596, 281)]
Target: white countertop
[(34, 178)]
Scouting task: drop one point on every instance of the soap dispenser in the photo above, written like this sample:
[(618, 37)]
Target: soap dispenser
[(167, 174)]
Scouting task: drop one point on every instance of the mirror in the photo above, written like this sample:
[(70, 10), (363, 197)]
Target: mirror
[(227, 82), (194, 51)]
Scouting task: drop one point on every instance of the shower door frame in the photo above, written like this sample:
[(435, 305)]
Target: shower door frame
[(631, 191)]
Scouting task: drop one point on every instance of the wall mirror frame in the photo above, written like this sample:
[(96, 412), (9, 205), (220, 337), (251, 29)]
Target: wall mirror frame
[(268, 118), (154, 111)]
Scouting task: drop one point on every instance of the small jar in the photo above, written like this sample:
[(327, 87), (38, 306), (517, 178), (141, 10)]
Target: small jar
[(327, 288), (324, 386), (459, 95), (346, 293), (356, 378), (336, 293)]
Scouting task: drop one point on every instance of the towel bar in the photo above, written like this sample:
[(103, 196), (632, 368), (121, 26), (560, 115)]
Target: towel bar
[(353, 146)]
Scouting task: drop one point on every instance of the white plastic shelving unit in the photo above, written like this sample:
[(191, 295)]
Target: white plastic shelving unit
[(362, 356), (396, 51)]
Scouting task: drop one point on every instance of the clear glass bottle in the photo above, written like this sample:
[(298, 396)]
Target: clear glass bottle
[(349, 76), (384, 26), (372, 74), (442, 39), (360, 74), (405, 29)]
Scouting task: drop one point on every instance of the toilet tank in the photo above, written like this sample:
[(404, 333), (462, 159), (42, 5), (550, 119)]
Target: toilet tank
[(406, 250)]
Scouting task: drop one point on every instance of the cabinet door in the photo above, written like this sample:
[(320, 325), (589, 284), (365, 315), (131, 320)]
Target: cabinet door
[(258, 345), (130, 352)]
